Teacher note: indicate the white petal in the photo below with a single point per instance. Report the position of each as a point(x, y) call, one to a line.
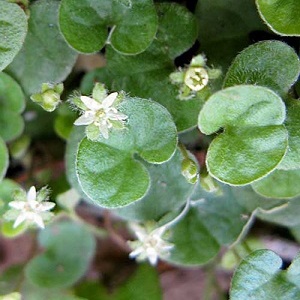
point(116, 116)
point(38, 220)
point(90, 103)
point(109, 100)
point(44, 206)
point(84, 120)
point(136, 252)
point(152, 256)
point(31, 195)
point(17, 204)
point(20, 219)
point(104, 130)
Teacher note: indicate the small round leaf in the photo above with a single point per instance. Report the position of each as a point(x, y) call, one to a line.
point(253, 142)
point(85, 24)
point(69, 248)
point(282, 184)
point(272, 64)
point(107, 171)
point(259, 277)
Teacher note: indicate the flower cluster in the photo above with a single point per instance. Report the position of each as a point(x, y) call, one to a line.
point(30, 207)
point(100, 114)
point(149, 245)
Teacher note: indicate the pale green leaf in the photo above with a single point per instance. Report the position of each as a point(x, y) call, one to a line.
point(292, 124)
point(45, 56)
point(272, 64)
point(283, 184)
point(12, 103)
point(215, 219)
point(13, 29)
point(285, 215)
point(259, 277)
point(69, 248)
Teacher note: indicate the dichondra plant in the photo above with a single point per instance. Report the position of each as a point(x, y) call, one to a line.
point(185, 133)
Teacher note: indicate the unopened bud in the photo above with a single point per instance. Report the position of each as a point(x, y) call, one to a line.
point(49, 98)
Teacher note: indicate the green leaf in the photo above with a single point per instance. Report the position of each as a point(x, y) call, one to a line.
point(107, 171)
point(215, 219)
point(283, 184)
point(32, 292)
point(283, 17)
point(253, 142)
point(45, 56)
point(85, 24)
point(224, 28)
point(69, 248)
point(272, 64)
point(285, 215)
point(10, 278)
point(259, 277)
point(7, 188)
point(144, 281)
point(253, 202)
point(3, 159)
point(64, 120)
point(76, 135)
point(147, 75)
point(13, 29)
point(12, 104)
point(292, 124)
point(167, 193)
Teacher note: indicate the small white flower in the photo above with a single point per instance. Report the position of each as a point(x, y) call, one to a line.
point(196, 78)
point(149, 245)
point(32, 209)
point(101, 114)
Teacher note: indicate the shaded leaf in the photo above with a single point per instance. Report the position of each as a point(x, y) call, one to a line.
point(13, 29)
point(45, 56)
point(69, 248)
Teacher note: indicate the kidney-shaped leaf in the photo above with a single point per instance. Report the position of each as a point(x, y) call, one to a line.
point(272, 64)
point(107, 170)
point(259, 277)
point(283, 17)
point(85, 24)
point(69, 248)
point(215, 219)
point(12, 103)
point(254, 140)
point(13, 29)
